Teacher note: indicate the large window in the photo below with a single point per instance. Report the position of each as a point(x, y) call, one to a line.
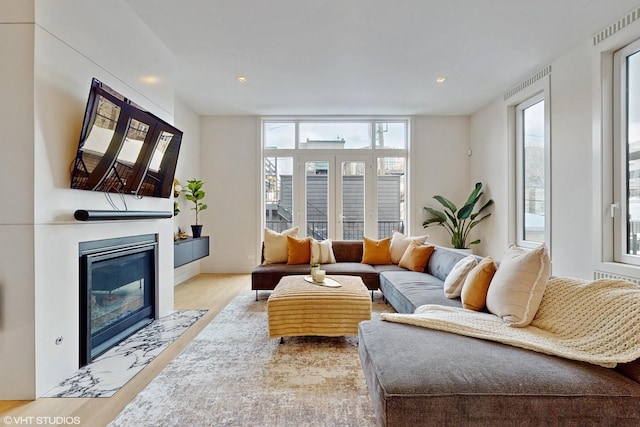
point(335, 178)
point(532, 172)
point(627, 154)
point(278, 193)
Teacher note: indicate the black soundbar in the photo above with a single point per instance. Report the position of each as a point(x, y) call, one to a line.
point(88, 215)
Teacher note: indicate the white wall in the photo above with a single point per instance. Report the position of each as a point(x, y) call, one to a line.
point(576, 186)
point(439, 166)
point(230, 169)
point(571, 183)
point(489, 164)
point(110, 35)
point(188, 167)
point(17, 309)
point(47, 84)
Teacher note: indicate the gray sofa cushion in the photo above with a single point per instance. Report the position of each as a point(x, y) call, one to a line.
point(442, 261)
point(388, 267)
point(418, 376)
point(408, 290)
point(367, 273)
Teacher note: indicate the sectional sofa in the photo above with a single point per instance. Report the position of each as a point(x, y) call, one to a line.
point(418, 376)
point(348, 255)
point(424, 377)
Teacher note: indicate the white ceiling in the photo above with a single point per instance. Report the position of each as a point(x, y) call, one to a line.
point(354, 57)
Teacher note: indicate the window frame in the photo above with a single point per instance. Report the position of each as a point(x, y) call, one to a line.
point(371, 155)
point(542, 94)
point(618, 209)
point(520, 169)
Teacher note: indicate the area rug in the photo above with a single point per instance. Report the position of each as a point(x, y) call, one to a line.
point(110, 371)
point(232, 374)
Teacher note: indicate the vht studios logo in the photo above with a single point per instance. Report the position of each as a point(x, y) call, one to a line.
point(9, 420)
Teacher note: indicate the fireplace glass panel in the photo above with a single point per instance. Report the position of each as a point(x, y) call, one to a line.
point(117, 290)
point(117, 294)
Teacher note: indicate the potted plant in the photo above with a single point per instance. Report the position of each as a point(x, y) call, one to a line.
point(459, 223)
point(195, 194)
point(314, 267)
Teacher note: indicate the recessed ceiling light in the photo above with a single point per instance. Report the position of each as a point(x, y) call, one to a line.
point(440, 80)
point(242, 79)
point(150, 79)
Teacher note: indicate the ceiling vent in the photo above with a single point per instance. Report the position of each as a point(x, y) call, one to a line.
point(531, 80)
point(617, 26)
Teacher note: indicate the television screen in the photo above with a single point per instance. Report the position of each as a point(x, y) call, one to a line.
point(123, 148)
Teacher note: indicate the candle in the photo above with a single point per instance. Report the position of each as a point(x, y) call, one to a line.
point(320, 274)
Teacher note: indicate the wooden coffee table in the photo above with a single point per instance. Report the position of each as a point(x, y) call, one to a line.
point(299, 308)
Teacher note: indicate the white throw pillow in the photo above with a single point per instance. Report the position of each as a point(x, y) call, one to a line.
point(455, 279)
point(275, 245)
point(518, 286)
point(400, 243)
point(322, 252)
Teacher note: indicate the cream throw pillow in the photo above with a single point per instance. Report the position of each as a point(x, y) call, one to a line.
point(322, 252)
point(455, 279)
point(518, 286)
point(476, 285)
point(275, 245)
point(400, 243)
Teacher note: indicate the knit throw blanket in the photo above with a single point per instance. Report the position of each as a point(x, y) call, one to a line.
point(591, 321)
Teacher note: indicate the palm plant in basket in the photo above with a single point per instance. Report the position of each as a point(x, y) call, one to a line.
point(459, 223)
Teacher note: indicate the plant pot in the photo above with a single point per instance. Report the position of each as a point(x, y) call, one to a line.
point(196, 230)
point(466, 251)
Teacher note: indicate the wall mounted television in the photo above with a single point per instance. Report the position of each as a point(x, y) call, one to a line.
point(124, 148)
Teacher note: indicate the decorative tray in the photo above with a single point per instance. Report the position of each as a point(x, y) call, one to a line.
point(328, 282)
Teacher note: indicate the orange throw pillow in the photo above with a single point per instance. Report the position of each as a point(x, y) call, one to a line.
point(476, 285)
point(400, 243)
point(298, 250)
point(416, 256)
point(376, 252)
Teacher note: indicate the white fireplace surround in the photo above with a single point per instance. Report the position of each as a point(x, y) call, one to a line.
point(57, 301)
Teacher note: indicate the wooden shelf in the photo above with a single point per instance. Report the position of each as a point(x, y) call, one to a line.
point(190, 249)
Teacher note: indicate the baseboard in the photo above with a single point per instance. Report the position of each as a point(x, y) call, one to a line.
point(186, 272)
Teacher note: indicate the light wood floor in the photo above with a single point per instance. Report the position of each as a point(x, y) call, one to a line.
point(206, 291)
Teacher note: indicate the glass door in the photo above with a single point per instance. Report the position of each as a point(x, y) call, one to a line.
point(335, 197)
point(317, 197)
point(351, 192)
